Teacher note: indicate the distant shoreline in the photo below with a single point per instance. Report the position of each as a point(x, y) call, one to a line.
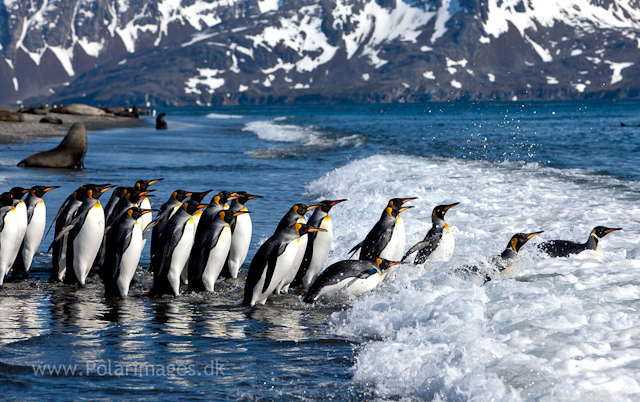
point(31, 128)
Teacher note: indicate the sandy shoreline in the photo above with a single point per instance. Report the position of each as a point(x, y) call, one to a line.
point(31, 128)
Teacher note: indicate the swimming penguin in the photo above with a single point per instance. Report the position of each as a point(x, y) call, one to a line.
point(438, 244)
point(295, 214)
point(8, 233)
point(241, 229)
point(350, 277)
point(504, 264)
point(65, 215)
point(564, 248)
point(387, 238)
point(16, 194)
point(318, 244)
point(210, 250)
point(166, 212)
point(85, 235)
point(271, 263)
point(174, 247)
point(123, 249)
point(36, 222)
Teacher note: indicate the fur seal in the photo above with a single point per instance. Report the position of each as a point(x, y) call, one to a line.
point(79, 109)
point(41, 110)
point(160, 123)
point(50, 120)
point(10, 116)
point(69, 154)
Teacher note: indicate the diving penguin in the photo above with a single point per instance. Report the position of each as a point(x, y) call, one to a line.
point(439, 243)
point(564, 248)
point(8, 233)
point(387, 238)
point(36, 222)
point(123, 249)
point(350, 277)
point(173, 249)
point(318, 244)
point(241, 229)
point(86, 231)
point(271, 262)
point(210, 250)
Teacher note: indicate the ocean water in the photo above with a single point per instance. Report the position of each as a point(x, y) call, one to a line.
point(560, 329)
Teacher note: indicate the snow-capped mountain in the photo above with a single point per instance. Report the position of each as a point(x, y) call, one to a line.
point(178, 52)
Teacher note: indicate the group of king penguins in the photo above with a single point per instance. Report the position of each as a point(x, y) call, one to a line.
point(196, 243)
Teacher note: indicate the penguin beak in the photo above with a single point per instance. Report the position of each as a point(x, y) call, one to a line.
point(332, 203)
point(448, 207)
point(405, 208)
point(394, 263)
point(50, 188)
point(147, 211)
point(312, 207)
point(105, 189)
point(154, 181)
point(188, 194)
point(25, 191)
point(534, 234)
point(241, 213)
point(316, 230)
point(232, 197)
point(409, 199)
point(143, 193)
point(251, 197)
point(612, 230)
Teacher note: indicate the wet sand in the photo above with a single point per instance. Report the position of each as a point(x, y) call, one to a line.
point(31, 128)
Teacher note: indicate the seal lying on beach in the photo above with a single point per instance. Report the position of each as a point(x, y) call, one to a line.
point(80, 109)
point(50, 120)
point(69, 154)
point(41, 110)
point(10, 116)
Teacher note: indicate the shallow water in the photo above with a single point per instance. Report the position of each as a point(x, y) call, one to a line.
point(561, 329)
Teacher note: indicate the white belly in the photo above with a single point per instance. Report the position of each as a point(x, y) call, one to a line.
point(395, 249)
point(350, 286)
point(33, 235)
point(283, 287)
point(321, 246)
point(185, 271)
point(129, 260)
point(145, 219)
point(7, 242)
point(444, 251)
point(282, 266)
point(240, 243)
point(217, 257)
point(180, 256)
point(21, 210)
point(87, 242)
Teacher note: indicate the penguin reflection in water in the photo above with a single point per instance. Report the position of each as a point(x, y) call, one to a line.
point(350, 277)
point(272, 262)
point(504, 264)
point(564, 248)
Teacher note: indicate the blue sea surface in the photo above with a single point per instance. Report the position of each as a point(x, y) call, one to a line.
point(208, 347)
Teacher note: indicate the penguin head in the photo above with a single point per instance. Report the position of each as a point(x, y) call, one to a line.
point(118, 192)
point(399, 202)
point(6, 200)
point(39, 191)
point(180, 195)
point(79, 194)
point(385, 264)
point(394, 210)
point(601, 231)
point(243, 197)
point(520, 239)
point(134, 195)
point(227, 216)
point(326, 205)
point(18, 192)
point(94, 191)
point(303, 229)
point(144, 184)
point(223, 197)
point(199, 196)
point(438, 212)
point(191, 206)
point(302, 209)
point(135, 213)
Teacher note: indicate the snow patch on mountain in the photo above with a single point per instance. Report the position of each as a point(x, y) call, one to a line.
point(205, 77)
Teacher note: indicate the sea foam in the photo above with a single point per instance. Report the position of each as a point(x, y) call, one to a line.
point(562, 329)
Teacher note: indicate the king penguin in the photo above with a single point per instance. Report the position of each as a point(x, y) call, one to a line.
point(564, 248)
point(123, 250)
point(210, 251)
point(241, 229)
point(295, 214)
point(8, 233)
point(350, 277)
point(271, 262)
point(439, 243)
point(16, 194)
point(167, 210)
point(86, 231)
point(36, 223)
point(387, 238)
point(174, 247)
point(144, 203)
point(318, 244)
point(198, 197)
point(65, 215)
